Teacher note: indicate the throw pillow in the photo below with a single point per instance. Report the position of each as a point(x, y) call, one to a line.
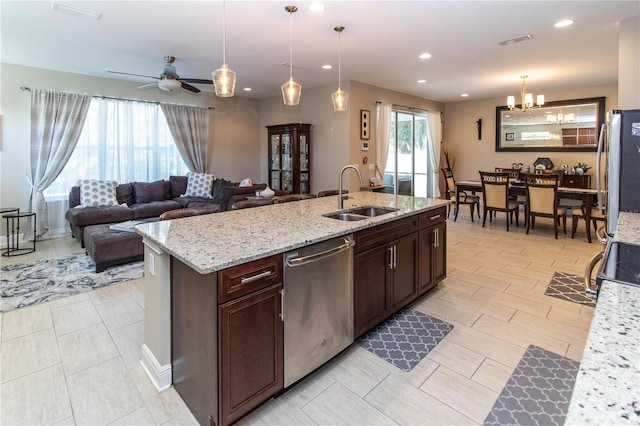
point(96, 193)
point(178, 185)
point(218, 186)
point(246, 182)
point(146, 192)
point(199, 185)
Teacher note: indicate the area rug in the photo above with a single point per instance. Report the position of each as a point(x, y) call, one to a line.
point(569, 287)
point(26, 284)
point(538, 392)
point(405, 338)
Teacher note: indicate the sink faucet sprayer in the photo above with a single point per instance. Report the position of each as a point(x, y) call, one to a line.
point(348, 166)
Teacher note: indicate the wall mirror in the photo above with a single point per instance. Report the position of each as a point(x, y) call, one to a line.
point(571, 125)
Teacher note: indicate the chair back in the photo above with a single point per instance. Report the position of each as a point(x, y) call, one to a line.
point(244, 204)
point(449, 181)
point(495, 189)
point(514, 174)
point(542, 192)
point(330, 192)
point(295, 197)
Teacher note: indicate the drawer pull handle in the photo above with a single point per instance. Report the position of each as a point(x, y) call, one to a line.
point(435, 217)
point(246, 280)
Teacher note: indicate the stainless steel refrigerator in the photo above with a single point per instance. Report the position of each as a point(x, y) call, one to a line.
point(618, 191)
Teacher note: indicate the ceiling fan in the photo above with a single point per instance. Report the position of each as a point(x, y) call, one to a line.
point(169, 80)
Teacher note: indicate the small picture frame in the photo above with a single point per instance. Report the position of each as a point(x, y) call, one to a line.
point(364, 124)
point(510, 137)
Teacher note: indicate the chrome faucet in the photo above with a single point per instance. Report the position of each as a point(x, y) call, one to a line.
point(348, 166)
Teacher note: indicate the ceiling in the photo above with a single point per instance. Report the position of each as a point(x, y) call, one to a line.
point(380, 45)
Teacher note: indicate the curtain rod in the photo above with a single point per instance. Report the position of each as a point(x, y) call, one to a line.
point(406, 107)
point(28, 89)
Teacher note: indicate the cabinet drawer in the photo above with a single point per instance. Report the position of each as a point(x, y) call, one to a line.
point(383, 234)
point(432, 217)
point(243, 279)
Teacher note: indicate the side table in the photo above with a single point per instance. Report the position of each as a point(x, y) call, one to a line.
point(13, 239)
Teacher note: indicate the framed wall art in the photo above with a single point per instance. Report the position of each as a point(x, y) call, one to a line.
point(364, 124)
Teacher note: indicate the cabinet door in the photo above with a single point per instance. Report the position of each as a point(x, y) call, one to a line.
point(370, 275)
point(440, 255)
point(426, 250)
point(404, 286)
point(250, 352)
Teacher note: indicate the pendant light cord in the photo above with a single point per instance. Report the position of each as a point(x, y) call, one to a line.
point(291, 43)
point(224, 32)
point(339, 60)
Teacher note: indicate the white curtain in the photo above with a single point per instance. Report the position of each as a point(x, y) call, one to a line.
point(434, 142)
point(56, 123)
point(383, 127)
point(190, 129)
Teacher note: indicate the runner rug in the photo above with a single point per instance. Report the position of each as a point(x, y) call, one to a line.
point(538, 392)
point(569, 287)
point(26, 284)
point(405, 338)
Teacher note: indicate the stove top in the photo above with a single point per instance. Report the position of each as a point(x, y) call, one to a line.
point(621, 263)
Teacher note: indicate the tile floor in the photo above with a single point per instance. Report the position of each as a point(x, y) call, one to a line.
point(76, 360)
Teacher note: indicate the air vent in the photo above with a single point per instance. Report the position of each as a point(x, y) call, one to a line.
point(515, 40)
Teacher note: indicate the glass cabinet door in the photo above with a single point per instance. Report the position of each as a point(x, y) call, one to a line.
point(304, 154)
point(290, 157)
point(276, 164)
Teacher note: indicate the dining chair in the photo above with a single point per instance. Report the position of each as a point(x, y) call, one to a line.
point(542, 200)
point(244, 204)
point(495, 197)
point(472, 200)
point(514, 174)
point(330, 192)
point(579, 213)
point(294, 197)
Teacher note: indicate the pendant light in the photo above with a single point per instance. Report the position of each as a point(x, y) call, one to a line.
point(224, 79)
point(526, 98)
point(291, 90)
point(340, 98)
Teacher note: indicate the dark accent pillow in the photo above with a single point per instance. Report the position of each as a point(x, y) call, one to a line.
point(124, 193)
point(178, 185)
point(145, 192)
point(216, 192)
point(74, 196)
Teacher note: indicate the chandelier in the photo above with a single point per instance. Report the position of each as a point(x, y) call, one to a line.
point(290, 89)
point(560, 118)
point(526, 98)
point(224, 79)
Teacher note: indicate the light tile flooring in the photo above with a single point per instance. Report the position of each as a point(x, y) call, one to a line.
point(76, 360)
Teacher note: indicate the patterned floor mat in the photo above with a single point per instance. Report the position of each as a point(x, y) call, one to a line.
point(405, 338)
point(569, 287)
point(25, 284)
point(538, 392)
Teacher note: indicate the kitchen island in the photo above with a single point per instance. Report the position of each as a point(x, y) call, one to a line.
point(207, 276)
point(607, 389)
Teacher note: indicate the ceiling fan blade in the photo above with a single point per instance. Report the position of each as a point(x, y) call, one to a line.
point(196, 80)
point(148, 85)
point(190, 87)
point(138, 75)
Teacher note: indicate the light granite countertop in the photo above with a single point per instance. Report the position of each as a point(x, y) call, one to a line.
point(212, 242)
point(607, 389)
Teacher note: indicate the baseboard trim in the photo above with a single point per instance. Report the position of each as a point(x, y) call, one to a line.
point(160, 375)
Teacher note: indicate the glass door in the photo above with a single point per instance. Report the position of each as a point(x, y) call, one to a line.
point(276, 164)
point(304, 165)
point(287, 162)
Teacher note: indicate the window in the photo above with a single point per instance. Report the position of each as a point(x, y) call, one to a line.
point(408, 166)
point(124, 141)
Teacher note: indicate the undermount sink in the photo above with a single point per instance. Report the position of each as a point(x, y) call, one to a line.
point(360, 213)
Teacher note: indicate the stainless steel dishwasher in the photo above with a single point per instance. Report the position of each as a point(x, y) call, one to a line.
point(317, 305)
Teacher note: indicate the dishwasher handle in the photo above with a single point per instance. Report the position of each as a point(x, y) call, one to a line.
point(294, 261)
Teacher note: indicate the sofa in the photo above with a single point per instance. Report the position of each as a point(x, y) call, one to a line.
point(149, 200)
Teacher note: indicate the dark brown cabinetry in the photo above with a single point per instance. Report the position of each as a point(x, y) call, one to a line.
point(576, 181)
point(579, 136)
point(432, 249)
point(289, 157)
point(227, 338)
point(385, 271)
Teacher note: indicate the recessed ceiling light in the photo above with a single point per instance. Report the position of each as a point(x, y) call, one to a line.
point(564, 23)
point(425, 55)
point(316, 7)
point(327, 67)
point(247, 89)
point(75, 11)
point(464, 95)
point(421, 81)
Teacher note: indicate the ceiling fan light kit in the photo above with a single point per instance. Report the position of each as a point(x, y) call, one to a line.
point(526, 98)
point(340, 98)
point(290, 89)
point(169, 85)
point(224, 79)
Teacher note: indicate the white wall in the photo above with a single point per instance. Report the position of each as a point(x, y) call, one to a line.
point(234, 124)
point(472, 155)
point(629, 64)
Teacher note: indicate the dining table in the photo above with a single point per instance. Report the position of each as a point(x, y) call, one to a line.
point(586, 195)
